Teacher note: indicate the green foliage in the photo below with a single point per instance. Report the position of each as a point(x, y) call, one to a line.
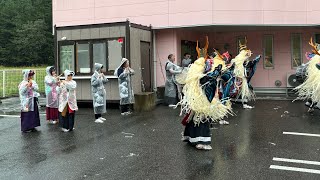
point(26, 32)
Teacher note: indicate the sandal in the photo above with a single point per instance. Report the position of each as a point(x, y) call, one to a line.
point(200, 146)
point(223, 122)
point(207, 147)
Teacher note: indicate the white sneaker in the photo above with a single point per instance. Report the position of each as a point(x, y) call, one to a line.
point(64, 130)
point(203, 147)
point(172, 105)
point(223, 122)
point(124, 113)
point(54, 122)
point(101, 118)
point(98, 121)
point(129, 112)
point(200, 146)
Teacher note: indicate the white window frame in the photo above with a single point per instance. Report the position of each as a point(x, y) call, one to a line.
point(291, 39)
point(264, 51)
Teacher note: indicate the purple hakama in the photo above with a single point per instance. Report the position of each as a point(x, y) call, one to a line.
point(31, 119)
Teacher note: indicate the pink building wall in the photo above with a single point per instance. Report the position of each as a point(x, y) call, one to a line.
point(172, 13)
point(188, 13)
point(168, 41)
point(282, 53)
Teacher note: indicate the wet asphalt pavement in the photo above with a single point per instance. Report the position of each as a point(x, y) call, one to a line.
point(149, 146)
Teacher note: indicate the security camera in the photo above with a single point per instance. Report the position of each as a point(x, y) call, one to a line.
point(64, 38)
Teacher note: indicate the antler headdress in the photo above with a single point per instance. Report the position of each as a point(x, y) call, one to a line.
point(218, 53)
point(314, 47)
point(203, 52)
point(243, 46)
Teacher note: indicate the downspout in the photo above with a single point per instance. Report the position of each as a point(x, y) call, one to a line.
point(127, 40)
point(55, 44)
point(154, 61)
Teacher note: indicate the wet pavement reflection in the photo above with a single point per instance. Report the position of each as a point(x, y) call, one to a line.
point(148, 146)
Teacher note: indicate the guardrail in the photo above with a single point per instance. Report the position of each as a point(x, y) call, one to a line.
point(10, 80)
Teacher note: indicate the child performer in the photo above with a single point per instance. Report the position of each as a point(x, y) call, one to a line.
point(51, 82)
point(98, 79)
point(29, 102)
point(67, 101)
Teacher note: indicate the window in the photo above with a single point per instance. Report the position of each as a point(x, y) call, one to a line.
point(100, 54)
point(83, 58)
point(317, 38)
point(189, 47)
point(268, 51)
point(115, 54)
point(242, 40)
point(296, 55)
point(66, 58)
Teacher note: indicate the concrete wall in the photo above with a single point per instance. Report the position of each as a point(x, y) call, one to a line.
point(89, 33)
point(172, 13)
point(137, 35)
point(92, 33)
point(84, 87)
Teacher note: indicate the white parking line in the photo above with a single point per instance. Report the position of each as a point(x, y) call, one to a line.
point(296, 161)
point(15, 116)
point(301, 134)
point(287, 168)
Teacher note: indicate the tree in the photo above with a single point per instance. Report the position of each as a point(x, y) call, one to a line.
point(30, 41)
point(26, 32)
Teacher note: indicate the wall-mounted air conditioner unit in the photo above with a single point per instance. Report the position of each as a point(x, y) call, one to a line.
point(292, 80)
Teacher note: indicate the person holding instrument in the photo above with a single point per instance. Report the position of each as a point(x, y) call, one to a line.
point(170, 93)
point(98, 79)
point(124, 73)
point(28, 95)
point(67, 101)
point(51, 82)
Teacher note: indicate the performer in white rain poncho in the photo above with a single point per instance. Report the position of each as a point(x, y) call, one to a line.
point(29, 102)
point(51, 82)
point(98, 79)
point(67, 101)
point(124, 73)
point(170, 93)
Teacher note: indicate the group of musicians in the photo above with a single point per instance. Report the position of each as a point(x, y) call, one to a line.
point(61, 101)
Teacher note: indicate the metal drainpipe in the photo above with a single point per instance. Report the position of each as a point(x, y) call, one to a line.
point(154, 61)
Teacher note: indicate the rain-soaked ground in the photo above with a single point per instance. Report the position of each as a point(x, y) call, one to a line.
point(256, 145)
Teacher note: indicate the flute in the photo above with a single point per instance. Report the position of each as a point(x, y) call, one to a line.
point(58, 77)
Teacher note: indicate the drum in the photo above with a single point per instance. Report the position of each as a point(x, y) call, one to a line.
point(181, 78)
point(301, 72)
